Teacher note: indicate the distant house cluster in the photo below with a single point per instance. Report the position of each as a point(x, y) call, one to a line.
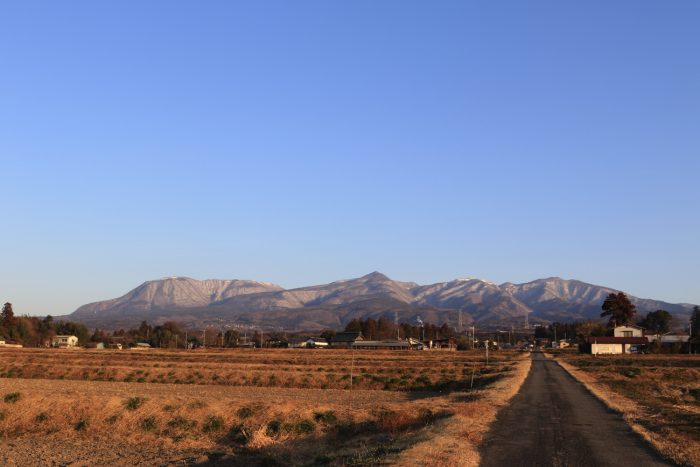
point(355, 340)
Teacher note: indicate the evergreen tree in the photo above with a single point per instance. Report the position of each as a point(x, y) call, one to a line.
point(7, 316)
point(620, 309)
point(695, 325)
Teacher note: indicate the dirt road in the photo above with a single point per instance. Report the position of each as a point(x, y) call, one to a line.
point(554, 421)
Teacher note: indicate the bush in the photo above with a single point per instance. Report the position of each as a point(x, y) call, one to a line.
point(12, 397)
point(244, 412)
point(304, 426)
point(327, 417)
point(148, 424)
point(133, 403)
point(273, 427)
point(81, 425)
point(42, 417)
point(182, 423)
point(212, 424)
point(238, 434)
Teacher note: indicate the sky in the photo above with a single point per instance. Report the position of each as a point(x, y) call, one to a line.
point(310, 141)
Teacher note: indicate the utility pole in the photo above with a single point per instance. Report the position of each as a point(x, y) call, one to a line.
point(187, 345)
point(204, 338)
point(473, 337)
point(396, 323)
point(352, 365)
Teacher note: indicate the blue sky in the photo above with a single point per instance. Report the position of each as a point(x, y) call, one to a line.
point(304, 142)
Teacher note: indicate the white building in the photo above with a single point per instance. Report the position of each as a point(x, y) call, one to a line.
point(64, 342)
point(628, 330)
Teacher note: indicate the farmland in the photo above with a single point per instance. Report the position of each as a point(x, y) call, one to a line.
point(302, 407)
point(659, 396)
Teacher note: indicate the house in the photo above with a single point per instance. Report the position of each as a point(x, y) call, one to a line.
point(95, 345)
point(615, 345)
point(276, 343)
point(441, 344)
point(141, 346)
point(115, 345)
point(562, 344)
point(316, 343)
point(628, 330)
point(64, 342)
point(6, 343)
point(345, 340)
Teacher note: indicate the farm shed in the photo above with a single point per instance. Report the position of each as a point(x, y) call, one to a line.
point(345, 340)
point(615, 345)
point(411, 344)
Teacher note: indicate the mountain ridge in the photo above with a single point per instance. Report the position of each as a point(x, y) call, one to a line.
point(264, 304)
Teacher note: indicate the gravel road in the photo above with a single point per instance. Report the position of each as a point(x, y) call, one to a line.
point(555, 421)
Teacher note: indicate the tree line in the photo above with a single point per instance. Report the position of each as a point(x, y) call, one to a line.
point(386, 329)
point(32, 331)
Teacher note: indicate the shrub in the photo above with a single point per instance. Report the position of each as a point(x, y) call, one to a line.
point(630, 372)
point(81, 425)
point(12, 397)
point(327, 417)
point(212, 424)
point(133, 403)
point(42, 417)
point(148, 424)
point(182, 423)
point(304, 426)
point(238, 434)
point(273, 428)
point(3, 414)
point(244, 412)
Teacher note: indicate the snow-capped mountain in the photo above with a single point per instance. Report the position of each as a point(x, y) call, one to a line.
point(332, 305)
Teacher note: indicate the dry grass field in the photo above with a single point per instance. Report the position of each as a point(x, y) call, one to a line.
point(252, 407)
point(659, 395)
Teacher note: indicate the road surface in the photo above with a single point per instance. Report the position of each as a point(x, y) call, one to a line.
point(555, 421)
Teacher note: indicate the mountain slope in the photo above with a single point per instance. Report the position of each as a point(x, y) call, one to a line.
point(174, 292)
point(332, 305)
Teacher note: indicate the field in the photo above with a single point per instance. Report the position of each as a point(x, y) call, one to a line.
point(249, 407)
point(659, 395)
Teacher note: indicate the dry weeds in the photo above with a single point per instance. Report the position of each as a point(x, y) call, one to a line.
point(284, 424)
point(458, 437)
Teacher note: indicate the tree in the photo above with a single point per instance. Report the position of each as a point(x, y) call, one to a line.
point(620, 309)
point(695, 325)
point(353, 326)
point(7, 317)
point(231, 338)
point(657, 322)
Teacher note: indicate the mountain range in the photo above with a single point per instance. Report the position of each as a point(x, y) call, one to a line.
point(482, 303)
